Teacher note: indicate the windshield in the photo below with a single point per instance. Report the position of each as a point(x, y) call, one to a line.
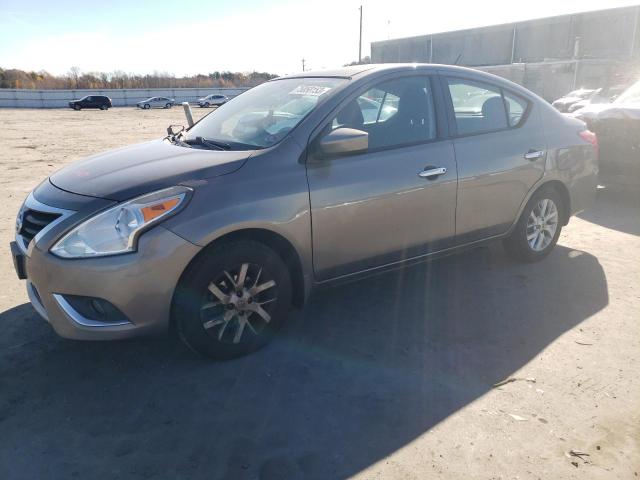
point(263, 116)
point(631, 95)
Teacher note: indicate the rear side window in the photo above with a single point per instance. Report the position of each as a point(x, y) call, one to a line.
point(516, 108)
point(394, 113)
point(477, 107)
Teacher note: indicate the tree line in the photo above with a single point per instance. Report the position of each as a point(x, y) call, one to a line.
point(76, 79)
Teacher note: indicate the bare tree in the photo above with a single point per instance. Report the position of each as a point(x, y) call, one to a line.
point(74, 75)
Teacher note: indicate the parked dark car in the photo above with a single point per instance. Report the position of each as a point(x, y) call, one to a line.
point(564, 103)
point(617, 126)
point(91, 101)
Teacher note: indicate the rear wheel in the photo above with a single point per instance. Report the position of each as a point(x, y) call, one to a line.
point(538, 228)
point(232, 300)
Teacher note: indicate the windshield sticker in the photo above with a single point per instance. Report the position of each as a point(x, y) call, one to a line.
point(309, 90)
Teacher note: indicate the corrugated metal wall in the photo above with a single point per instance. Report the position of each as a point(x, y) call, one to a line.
point(611, 34)
point(22, 98)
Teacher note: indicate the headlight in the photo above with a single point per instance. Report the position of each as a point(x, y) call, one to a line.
point(116, 230)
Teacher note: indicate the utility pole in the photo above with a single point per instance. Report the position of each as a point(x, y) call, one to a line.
point(360, 42)
point(303, 64)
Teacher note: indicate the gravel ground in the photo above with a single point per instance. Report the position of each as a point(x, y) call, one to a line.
point(388, 378)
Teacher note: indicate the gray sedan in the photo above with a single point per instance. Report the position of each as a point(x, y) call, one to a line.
point(216, 231)
point(156, 102)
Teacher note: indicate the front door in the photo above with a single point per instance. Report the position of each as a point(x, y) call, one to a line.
point(380, 207)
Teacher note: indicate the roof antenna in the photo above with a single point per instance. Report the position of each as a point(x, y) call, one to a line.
point(458, 59)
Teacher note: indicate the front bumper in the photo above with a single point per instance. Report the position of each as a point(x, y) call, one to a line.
point(139, 285)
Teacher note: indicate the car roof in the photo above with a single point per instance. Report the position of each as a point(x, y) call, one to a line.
point(360, 71)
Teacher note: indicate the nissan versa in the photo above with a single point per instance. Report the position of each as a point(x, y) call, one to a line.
point(217, 230)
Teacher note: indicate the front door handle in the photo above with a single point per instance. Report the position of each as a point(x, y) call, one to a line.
point(432, 172)
point(534, 154)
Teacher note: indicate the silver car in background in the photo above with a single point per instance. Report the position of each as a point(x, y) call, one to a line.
point(213, 100)
point(216, 231)
point(156, 102)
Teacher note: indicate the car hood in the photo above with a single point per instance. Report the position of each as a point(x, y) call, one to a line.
point(130, 171)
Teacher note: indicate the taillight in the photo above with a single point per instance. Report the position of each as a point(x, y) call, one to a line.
point(592, 138)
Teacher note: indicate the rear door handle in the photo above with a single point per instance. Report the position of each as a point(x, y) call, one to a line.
point(432, 172)
point(534, 154)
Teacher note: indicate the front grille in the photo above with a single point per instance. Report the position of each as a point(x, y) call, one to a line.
point(34, 221)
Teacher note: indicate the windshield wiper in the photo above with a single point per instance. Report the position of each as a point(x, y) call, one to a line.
point(174, 137)
point(207, 142)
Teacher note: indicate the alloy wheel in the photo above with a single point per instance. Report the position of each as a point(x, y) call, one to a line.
point(239, 304)
point(542, 225)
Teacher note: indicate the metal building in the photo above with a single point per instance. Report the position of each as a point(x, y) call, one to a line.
point(549, 56)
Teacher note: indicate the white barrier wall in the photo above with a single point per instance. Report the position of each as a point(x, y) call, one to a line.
point(23, 98)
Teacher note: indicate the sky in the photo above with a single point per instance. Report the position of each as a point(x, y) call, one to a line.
point(197, 36)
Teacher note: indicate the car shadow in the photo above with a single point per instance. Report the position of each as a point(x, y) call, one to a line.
point(616, 208)
point(365, 369)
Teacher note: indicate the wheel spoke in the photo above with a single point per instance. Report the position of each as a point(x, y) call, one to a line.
point(214, 322)
point(267, 301)
point(242, 322)
point(230, 278)
point(532, 235)
point(543, 209)
point(254, 307)
point(209, 305)
point(261, 288)
point(242, 276)
point(539, 240)
point(228, 315)
point(218, 293)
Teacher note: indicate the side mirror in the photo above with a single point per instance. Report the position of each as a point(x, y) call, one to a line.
point(344, 141)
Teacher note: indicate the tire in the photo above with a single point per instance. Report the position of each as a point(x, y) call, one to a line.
point(207, 312)
point(206, 105)
point(77, 107)
point(531, 239)
point(168, 105)
point(103, 107)
point(147, 106)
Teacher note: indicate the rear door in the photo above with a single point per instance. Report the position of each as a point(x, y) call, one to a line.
point(500, 152)
point(374, 208)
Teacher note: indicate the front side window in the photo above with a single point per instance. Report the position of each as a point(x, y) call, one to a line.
point(477, 107)
point(396, 112)
point(264, 115)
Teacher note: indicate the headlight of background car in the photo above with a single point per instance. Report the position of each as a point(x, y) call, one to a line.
point(116, 230)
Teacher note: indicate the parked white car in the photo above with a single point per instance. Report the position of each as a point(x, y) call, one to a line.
point(212, 100)
point(156, 102)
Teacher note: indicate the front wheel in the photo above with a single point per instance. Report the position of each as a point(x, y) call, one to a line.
point(103, 107)
point(206, 105)
point(147, 106)
point(168, 105)
point(232, 300)
point(538, 228)
point(77, 107)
